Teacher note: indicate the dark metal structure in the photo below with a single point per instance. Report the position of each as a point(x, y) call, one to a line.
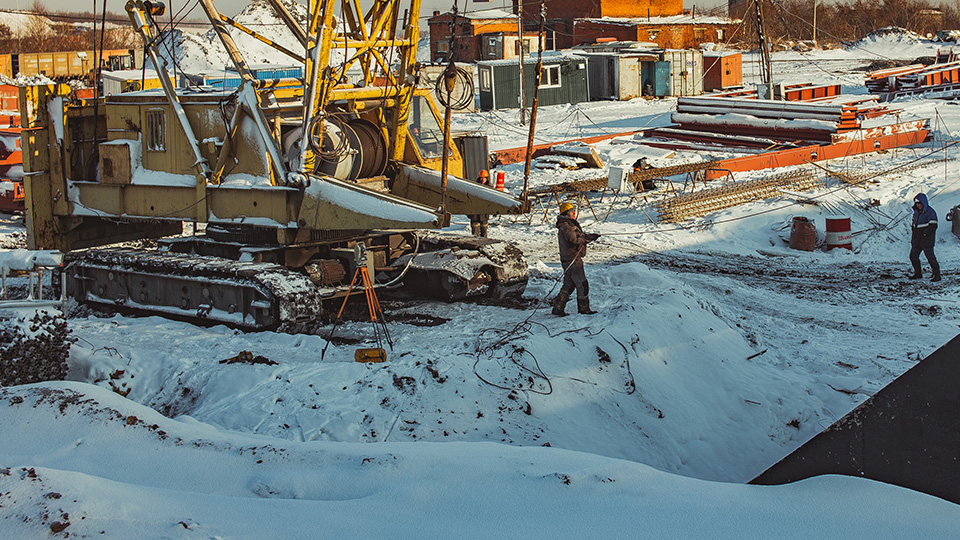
point(907, 434)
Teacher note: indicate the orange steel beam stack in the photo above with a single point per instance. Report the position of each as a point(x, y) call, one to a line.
point(844, 145)
point(810, 92)
point(915, 79)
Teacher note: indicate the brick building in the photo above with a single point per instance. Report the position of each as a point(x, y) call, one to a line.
point(569, 23)
point(563, 14)
point(676, 32)
point(588, 9)
point(467, 30)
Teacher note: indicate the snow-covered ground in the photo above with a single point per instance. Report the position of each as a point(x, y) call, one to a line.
point(716, 351)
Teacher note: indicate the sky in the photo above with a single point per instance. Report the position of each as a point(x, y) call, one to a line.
point(231, 7)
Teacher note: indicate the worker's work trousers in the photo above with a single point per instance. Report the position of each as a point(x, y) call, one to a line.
point(931, 258)
point(575, 278)
point(478, 225)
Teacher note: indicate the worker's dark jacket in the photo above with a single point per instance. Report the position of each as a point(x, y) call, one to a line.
point(480, 218)
point(573, 243)
point(924, 224)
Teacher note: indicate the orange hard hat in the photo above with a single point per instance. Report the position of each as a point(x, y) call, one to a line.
point(484, 174)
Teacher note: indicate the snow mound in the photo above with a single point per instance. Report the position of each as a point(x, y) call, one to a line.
point(204, 52)
point(23, 80)
point(893, 42)
point(895, 31)
point(23, 23)
point(105, 467)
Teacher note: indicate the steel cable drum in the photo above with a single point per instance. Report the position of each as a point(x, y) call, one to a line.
point(334, 157)
point(350, 150)
point(372, 148)
point(337, 153)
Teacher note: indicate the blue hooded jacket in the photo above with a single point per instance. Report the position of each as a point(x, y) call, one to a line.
point(924, 224)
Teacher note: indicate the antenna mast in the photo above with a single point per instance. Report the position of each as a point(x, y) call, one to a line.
point(523, 96)
point(766, 71)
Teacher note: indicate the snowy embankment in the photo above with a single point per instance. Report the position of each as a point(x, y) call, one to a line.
point(81, 460)
point(717, 351)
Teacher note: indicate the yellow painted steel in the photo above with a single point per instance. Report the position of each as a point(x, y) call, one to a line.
point(373, 36)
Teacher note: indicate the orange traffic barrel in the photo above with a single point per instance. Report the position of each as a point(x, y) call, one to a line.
point(838, 233)
point(500, 178)
point(803, 234)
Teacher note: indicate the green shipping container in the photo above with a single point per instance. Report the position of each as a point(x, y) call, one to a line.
point(564, 80)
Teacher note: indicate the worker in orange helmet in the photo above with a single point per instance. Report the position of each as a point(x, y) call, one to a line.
point(573, 246)
point(478, 222)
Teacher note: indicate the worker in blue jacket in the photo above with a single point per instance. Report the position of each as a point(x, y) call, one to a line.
point(924, 228)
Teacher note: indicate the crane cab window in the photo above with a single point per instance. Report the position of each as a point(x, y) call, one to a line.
point(156, 132)
point(424, 129)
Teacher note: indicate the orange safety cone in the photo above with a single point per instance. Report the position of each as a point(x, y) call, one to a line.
point(500, 178)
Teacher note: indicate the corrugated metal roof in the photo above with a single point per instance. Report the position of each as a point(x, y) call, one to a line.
point(548, 56)
point(485, 14)
point(675, 19)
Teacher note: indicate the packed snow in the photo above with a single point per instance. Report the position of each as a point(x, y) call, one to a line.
point(716, 351)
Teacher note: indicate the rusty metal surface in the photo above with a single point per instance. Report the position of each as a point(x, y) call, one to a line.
point(636, 178)
point(705, 201)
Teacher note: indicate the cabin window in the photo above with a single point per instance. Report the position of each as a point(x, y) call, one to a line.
point(443, 46)
point(156, 137)
point(526, 47)
point(550, 76)
point(550, 40)
point(485, 79)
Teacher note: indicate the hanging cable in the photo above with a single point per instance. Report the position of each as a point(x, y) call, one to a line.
point(462, 95)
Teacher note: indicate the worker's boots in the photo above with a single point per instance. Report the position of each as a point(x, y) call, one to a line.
point(583, 306)
point(560, 304)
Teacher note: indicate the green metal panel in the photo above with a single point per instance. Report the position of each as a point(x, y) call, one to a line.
point(506, 86)
point(505, 83)
point(661, 78)
point(573, 83)
point(656, 78)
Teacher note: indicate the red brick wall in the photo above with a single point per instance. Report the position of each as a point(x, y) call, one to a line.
point(640, 8)
point(563, 29)
point(467, 44)
point(590, 31)
point(676, 36)
point(568, 9)
point(583, 9)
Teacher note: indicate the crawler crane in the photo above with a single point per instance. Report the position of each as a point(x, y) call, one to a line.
point(286, 177)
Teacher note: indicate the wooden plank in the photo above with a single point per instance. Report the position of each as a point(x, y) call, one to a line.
point(586, 153)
